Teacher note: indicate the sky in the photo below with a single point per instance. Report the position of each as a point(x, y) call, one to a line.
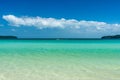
point(59, 18)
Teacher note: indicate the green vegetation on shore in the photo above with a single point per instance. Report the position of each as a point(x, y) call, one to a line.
point(8, 37)
point(111, 37)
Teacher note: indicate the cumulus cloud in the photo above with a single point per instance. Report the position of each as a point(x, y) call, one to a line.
point(42, 23)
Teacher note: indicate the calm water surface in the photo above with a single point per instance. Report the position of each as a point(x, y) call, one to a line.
point(59, 59)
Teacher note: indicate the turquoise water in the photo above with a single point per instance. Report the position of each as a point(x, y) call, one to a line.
point(59, 59)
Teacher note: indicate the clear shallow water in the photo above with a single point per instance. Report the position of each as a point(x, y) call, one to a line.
point(59, 59)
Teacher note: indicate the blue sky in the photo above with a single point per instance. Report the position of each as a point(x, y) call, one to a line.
point(59, 18)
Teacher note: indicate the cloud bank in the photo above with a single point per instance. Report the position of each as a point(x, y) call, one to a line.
point(42, 23)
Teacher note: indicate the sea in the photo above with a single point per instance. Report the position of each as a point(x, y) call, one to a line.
point(59, 59)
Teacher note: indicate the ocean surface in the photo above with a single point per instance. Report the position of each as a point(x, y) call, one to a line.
point(59, 59)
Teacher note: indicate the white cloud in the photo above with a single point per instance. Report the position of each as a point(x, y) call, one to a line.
point(41, 23)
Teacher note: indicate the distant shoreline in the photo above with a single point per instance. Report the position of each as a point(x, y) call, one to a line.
point(102, 38)
point(8, 37)
point(50, 38)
